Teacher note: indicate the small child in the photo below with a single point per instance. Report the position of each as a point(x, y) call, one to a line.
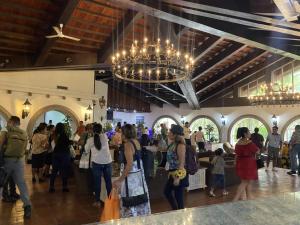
point(218, 172)
point(285, 160)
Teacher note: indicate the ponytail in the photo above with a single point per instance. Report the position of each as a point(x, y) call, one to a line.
point(97, 129)
point(97, 141)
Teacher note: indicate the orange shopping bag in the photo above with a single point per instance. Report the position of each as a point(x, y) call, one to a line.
point(111, 209)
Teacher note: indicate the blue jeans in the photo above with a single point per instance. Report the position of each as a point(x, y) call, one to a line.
point(294, 154)
point(61, 164)
point(15, 168)
point(98, 171)
point(218, 181)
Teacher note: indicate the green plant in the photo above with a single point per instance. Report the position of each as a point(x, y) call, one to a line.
point(209, 129)
point(67, 123)
point(107, 127)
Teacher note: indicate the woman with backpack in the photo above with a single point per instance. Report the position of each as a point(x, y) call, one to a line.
point(178, 177)
point(101, 160)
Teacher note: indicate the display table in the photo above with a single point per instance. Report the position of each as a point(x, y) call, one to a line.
point(197, 180)
point(282, 209)
point(213, 146)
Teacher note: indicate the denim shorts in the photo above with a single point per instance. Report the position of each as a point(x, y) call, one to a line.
point(219, 180)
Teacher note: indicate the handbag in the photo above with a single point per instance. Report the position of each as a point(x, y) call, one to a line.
point(84, 161)
point(129, 201)
point(259, 162)
point(111, 209)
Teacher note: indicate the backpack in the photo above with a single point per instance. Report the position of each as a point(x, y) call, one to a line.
point(191, 164)
point(16, 142)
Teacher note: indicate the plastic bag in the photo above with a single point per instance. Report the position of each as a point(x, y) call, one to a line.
point(111, 209)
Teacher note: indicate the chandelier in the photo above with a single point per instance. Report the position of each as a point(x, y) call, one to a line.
point(152, 63)
point(275, 94)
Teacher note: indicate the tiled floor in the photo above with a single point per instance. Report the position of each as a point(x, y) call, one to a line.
point(76, 207)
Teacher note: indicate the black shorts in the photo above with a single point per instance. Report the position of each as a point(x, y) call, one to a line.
point(48, 160)
point(38, 160)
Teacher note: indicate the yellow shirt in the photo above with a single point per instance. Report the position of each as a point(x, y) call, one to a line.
point(285, 151)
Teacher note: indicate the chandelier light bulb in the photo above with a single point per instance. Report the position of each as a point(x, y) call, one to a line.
point(123, 52)
point(178, 53)
point(158, 40)
point(140, 71)
point(119, 66)
point(167, 41)
point(145, 39)
point(118, 55)
point(186, 56)
point(149, 72)
point(157, 71)
point(157, 50)
point(135, 42)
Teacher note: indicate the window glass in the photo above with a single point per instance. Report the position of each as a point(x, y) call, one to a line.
point(166, 120)
point(290, 129)
point(297, 76)
point(277, 76)
point(287, 76)
point(251, 123)
point(244, 91)
point(209, 129)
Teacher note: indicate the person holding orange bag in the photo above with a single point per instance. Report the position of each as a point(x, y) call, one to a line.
point(111, 209)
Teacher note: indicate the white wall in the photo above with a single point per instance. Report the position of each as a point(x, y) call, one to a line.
point(283, 113)
point(40, 83)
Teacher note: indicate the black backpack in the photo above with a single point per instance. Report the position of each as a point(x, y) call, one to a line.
point(191, 164)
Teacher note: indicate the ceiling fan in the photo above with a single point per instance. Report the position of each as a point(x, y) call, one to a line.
point(59, 34)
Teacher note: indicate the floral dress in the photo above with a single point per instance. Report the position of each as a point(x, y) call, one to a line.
point(136, 181)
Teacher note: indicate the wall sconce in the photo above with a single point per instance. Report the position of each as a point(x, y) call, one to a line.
point(26, 109)
point(87, 115)
point(182, 119)
point(223, 120)
point(274, 120)
point(102, 102)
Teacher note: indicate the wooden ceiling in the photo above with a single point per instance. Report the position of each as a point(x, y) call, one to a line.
point(230, 41)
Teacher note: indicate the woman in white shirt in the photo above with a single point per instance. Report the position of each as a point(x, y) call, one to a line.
point(101, 160)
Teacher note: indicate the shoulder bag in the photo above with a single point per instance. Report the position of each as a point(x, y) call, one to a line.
point(130, 201)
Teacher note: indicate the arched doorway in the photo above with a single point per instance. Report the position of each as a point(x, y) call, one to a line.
point(251, 122)
point(209, 128)
point(4, 116)
point(167, 120)
point(289, 128)
point(54, 113)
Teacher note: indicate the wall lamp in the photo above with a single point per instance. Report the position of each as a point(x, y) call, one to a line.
point(87, 115)
point(26, 109)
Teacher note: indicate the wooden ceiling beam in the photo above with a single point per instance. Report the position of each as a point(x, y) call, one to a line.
point(98, 14)
point(206, 47)
point(210, 26)
point(16, 50)
point(217, 61)
point(106, 5)
point(156, 96)
point(208, 63)
point(172, 90)
point(232, 69)
point(86, 31)
point(64, 18)
point(118, 33)
point(270, 64)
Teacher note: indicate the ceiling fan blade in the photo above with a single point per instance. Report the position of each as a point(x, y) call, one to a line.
point(51, 36)
point(57, 30)
point(72, 38)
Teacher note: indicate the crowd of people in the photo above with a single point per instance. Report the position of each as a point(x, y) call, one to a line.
point(51, 147)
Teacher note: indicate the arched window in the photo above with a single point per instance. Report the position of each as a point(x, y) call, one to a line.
point(168, 121)
point(251, 123)
point(291, 128)
point(209, 128)
point(2, 121)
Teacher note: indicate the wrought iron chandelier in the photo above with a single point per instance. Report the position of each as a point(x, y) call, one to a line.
point(275, 94)
point(152, 63)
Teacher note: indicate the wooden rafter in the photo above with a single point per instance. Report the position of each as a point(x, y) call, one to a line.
point(232, 69)
point(64, 18)
point(218, 60)
point(120, 31)
point(272, 63)
point(208, 45)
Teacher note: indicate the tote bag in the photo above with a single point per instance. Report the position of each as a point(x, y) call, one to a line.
point(111, 209)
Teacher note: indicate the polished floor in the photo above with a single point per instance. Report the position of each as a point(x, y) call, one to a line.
point(76, 208)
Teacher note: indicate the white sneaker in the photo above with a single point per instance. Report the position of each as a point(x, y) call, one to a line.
point(225, 193)
point(211, 194)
